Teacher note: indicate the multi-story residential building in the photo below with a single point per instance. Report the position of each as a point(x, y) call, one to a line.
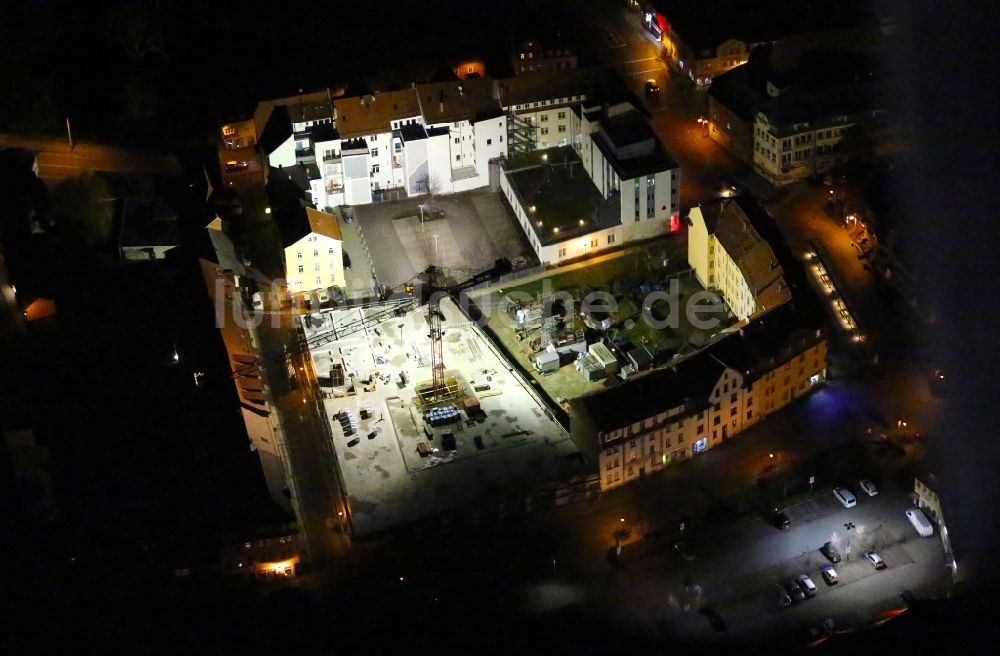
point(532, 55)
point(629, 191)
point(673, 413)
point(792, 122)
point(729, 255)
point(540, 107)
point(431, 138)
point(801, 133)
point(271, 552)
point(312, 244)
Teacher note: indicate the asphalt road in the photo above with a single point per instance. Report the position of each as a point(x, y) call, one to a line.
point(57, 161)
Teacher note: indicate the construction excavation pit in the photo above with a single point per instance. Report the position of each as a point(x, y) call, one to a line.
point(412, 442)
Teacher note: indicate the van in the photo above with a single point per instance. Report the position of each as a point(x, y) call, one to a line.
point(807, 585)
point(845, 497)
point(920, 522)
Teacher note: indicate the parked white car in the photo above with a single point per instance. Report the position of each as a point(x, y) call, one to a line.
point(868, 487)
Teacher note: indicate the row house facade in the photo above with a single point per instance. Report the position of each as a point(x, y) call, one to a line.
point(672, 414)
point(429, 138)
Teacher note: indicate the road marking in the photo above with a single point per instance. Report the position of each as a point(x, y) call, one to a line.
point(633, 61)
point(648, 70)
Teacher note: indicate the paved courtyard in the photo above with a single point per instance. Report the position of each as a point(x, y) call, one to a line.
point(516, 444)
point(466, 232)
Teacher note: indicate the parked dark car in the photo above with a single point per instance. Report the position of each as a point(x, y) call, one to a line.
point(830, 552)
point(347, 261)
point(778, 518)
point(794, 591)
point(714, 619)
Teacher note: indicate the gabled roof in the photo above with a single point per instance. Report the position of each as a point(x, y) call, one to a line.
point(650, 394)
point(297, 221)
point(750, 252)
point(373, 114)
point(276, 131)
point(546, 85)
point(466, 100)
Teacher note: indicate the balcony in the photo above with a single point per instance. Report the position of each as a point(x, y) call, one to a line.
point(397, 161)
point(331, 157)
point(305, 154)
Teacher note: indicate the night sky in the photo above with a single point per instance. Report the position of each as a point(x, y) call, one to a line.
point(143, 457)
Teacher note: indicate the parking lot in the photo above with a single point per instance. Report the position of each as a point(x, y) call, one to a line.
point(737, 570)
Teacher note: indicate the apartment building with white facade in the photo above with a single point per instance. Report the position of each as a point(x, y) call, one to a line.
point(430, 138)
point(615, 185)
point(673, 413)
point(730, 256)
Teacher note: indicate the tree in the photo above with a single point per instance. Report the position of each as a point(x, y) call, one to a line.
point(135, 26)
point(82, 211)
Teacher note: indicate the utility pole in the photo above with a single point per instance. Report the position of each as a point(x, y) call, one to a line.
point(69, 135)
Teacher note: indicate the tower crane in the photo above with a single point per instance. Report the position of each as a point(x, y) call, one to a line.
point(433, 291)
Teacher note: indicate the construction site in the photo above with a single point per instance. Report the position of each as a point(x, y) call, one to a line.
point(425, 415)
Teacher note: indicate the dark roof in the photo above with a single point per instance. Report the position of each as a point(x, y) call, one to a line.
point(655, 392)
point(323, 132)
point(750, 251)
point(767, 342)
point(296, 219)
point(818, 106)
point(545, 85)
point(299, 174)
point(735, 90)
point(413, 132)
point(634, 167)
point(629, 144)
point(277, 130)
point(562, 195)
point(466, 100)
point(147, 223)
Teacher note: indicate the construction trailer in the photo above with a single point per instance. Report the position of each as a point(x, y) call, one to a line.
point(590, 368)
point(603, 355)
point(547, 362)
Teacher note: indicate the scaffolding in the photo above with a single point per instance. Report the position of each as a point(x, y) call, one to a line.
point(520, 135)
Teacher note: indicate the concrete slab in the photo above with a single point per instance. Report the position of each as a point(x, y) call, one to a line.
point(387, 481)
